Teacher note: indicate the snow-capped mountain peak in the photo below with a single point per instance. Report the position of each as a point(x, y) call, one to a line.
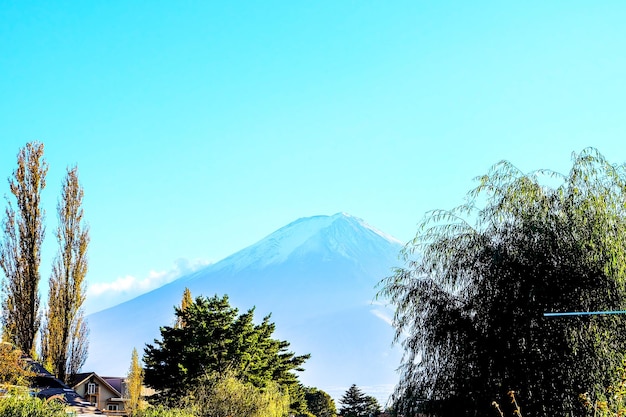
point(340, 233)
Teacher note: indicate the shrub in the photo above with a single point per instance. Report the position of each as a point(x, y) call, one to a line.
point(26, 406)
point(218, 396)
point(161, 411)
point(613, 402)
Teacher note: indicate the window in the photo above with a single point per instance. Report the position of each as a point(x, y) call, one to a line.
point(91, 388)
point(113, 407)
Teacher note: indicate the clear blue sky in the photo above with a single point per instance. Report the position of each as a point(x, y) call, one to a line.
point(200, 127)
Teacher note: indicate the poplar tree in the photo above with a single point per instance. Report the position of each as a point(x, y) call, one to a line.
point(186, 301)
point(134, 382)
point(23, 233)
point(64, 346)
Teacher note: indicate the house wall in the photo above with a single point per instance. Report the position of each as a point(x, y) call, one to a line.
point(103, 393)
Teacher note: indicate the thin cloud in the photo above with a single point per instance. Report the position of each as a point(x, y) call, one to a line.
point(383, 315)
point(101, 295)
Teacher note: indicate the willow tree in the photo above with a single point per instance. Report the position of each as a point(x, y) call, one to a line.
point(64, 344)
point(20, 249)
point(471, 299)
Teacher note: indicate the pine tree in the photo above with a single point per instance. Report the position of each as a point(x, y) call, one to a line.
point(20, 249)
point(216, 341)
point(134, 383)
point(354, 403)
point(65, 342)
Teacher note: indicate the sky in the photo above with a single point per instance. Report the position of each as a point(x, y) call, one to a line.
point(200, 127)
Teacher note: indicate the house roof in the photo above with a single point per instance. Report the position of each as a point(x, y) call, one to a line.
point(43, 382)
point(70, 398)
point(83, 377)
point(49, 387)
point(80, 378)
point(37, 368)
point(114, 381)
point(42, 378)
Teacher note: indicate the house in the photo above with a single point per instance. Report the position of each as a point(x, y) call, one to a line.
point(45, 386)
point(99, 392)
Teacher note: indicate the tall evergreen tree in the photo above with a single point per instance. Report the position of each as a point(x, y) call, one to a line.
point(65, 338)
point(217, 340)
point(20, 249)
point(354, 403)
point(470, 302)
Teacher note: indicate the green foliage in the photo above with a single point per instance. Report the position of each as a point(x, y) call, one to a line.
point(372, 406)
point(612, 402)
point(297, 394)
point(470, 301)
point(354, 403)
point(319, 403)
point(161, 411)
point(26, 406)
point(215, 341)
point(228, 396)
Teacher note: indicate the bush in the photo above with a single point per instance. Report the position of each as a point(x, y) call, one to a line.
point(26, 406)
point(161, 411)
point(611, 403)
point(218, 396)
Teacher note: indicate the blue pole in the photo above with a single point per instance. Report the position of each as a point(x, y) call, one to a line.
point(584, 313)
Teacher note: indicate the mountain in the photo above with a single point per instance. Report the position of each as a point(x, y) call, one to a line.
point(317, 278)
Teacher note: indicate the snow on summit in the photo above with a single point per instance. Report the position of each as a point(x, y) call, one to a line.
point(307, 234)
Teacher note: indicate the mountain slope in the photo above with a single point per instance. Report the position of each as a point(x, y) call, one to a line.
point(316, 276)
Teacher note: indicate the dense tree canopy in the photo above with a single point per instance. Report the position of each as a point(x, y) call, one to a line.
point(319, 403)
point(470, 301)
point(214, 342)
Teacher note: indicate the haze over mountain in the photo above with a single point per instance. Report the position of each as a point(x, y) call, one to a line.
point(316, 276)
